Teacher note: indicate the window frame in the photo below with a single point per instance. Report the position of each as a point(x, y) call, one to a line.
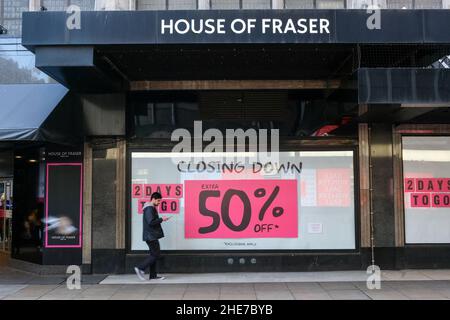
point(166, 6)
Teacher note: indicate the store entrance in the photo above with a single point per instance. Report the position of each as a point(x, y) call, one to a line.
point(6, 196)
point(6, 206)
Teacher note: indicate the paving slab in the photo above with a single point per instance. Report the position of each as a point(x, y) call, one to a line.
point(274, 295)
point(166, 296)
point(47, 280)
point(31, 292)
point(348, 295)
point(9, 289)
point(442, 275)
point(385, 295)
point(245, 288)
point(405, 275)
point(129, 296)
point(311, 295)
point(238, 296)
point(338, 286)
point(281, 277)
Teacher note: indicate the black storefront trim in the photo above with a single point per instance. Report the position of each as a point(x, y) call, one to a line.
point(144, 27)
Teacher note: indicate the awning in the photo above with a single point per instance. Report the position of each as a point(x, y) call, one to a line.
point(33, 112)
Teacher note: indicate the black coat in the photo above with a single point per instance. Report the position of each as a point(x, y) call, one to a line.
point(152, 229)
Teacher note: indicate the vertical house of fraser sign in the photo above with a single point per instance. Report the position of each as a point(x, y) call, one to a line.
point(63, 198)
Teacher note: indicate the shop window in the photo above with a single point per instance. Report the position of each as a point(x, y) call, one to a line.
point(151, 5)
point(62, 5)
point(330, 4)
point(55, 5)
point(299, 4)
point(428, 4)
point(225, 4)
point(18, 65)
point(364, 4)
point(87, 5)
point(256, 4)
point(166, 4)
point(182, 4)
point(29, 208)
point(400, 4)
point(219, 203)
point(426, 172)
point(11, 16)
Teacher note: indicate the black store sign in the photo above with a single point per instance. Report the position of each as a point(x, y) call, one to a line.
point(237, 26)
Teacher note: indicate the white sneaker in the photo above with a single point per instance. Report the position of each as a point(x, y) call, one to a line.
point(139, 273)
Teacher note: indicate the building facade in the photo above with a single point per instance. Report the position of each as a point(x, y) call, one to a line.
point(91, 99)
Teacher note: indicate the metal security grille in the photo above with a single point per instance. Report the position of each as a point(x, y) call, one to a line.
point(243, 105)
point(401, 56)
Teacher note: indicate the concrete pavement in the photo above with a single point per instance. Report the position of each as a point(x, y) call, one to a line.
point(342, 285)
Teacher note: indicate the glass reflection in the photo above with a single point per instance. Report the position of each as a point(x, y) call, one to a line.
point(29, 184)
point(18, 64)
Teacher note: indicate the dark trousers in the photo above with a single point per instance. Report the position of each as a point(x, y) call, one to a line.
point(152, 258)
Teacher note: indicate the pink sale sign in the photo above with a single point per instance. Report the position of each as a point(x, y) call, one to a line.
point(226, 209)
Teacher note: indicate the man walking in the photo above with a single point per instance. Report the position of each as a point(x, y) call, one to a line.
point(152, 232)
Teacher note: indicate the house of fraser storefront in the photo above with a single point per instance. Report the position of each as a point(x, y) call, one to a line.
point(360, 99)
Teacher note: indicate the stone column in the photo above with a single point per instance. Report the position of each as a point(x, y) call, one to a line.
point(35, 5)
point(277, 4)
point(203, 4)
point(381, 153)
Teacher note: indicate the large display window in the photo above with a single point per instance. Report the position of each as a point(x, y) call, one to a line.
point(426, 172)
point(304, 201)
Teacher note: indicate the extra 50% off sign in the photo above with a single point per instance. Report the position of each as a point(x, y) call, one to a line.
point(225, 209)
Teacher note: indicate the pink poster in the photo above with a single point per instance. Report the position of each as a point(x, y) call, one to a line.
point(410, 185)
point(440, 200)
point(166, 205)
point(427, 192)
point(141, 203)
point(166, 190)
point(432, 184)
point(137, 190)
point(169, 206)
point(412, 177)
point(227, 209)
point(420, 200)
point(334, 187)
